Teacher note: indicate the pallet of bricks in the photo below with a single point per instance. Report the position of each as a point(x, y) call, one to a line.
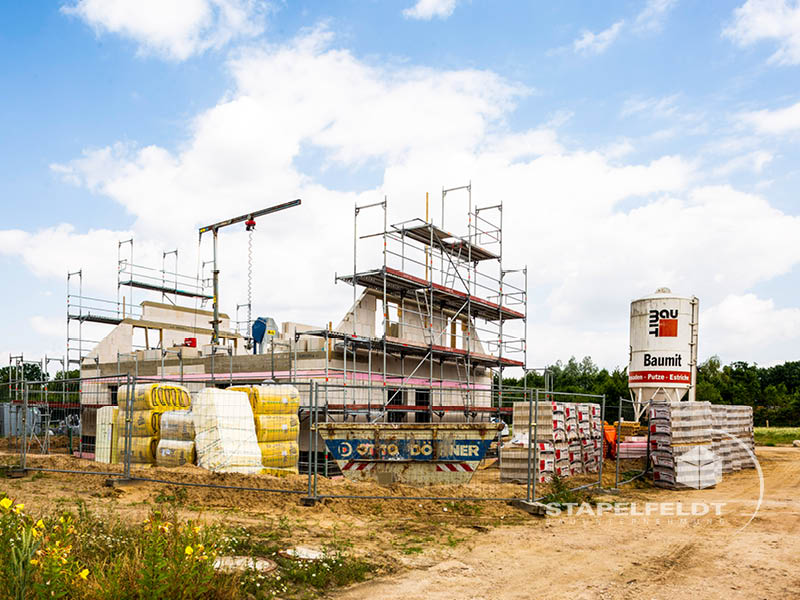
point(681, 447)
point(568, 440)
point(739, 425)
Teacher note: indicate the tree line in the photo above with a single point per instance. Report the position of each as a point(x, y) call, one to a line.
point(773, 392)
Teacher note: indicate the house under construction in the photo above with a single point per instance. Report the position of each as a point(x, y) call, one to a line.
point(427, 338)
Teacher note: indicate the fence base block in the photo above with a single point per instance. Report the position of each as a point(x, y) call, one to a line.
point(13, 472)
point(117, 482)
point(308, 501)
point(533, 508)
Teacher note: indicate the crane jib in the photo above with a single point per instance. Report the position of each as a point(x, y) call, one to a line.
point(252, 215)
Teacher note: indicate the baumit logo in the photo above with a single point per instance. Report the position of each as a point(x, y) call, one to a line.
point(664, 322)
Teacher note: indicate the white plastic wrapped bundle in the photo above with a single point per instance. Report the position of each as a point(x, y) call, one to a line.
point(225, 433)
point(177, 425)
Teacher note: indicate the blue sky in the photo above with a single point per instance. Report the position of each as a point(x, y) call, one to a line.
point(639, 144)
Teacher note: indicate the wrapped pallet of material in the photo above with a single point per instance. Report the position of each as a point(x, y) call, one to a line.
point(278, 399)
point(104, 448)
point(225, 432)
point(681, 445)
point(514, 463)
point(277, 428)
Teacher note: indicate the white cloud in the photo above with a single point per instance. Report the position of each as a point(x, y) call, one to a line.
point(752, 161)
point(176, 29)
point(597, 43)
point(768, 20)
point(744, 323)
point(651, 18)
point(48, 326)
point(774, 122)
point(594, 230)
point(658, 107)
point(428, 9)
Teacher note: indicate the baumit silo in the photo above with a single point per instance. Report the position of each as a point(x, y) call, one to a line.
point(663, 351)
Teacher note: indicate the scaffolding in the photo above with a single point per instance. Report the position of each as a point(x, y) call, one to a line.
point(435, 282)
point(130, 276)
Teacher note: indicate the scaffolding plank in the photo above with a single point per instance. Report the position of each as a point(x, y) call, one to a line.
point(166, 290)
point(400, 282)
point(90, 318)
point(460, 248)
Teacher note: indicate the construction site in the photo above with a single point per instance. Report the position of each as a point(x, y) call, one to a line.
point(397, 404)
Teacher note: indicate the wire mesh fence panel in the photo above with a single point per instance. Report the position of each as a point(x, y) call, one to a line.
point(64, 424)
point(314, 439)
point(632, 447)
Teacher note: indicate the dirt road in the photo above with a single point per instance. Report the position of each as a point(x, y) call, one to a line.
point(624, 556)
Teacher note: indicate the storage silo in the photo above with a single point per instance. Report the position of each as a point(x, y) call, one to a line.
point(663, 350)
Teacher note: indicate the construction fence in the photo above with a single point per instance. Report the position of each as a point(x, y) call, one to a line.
point(316, 440)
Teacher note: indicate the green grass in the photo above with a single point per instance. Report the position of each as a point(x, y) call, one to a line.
point(773, 436)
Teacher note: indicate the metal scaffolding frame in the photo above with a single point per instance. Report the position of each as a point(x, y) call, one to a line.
point(435, 280)
point(86, 309)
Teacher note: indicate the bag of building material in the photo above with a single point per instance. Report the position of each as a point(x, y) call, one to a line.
point(273, 399)
point(177, 425)
point(279, 454)
point(225, 433)
point(277, 428)
point(175, 453)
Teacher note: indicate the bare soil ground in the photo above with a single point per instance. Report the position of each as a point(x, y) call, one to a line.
point(460, 549)
point(613, 557)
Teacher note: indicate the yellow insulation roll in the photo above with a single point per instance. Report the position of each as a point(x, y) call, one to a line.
point(177, 425)
point(281, 471)
point(155, 396)
point(143, 449)
point(175, 453)
point(274, 399)
point(279, 454)
point(144, 423)
point(277, 428)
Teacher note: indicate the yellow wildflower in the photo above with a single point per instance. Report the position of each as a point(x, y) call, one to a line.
point(40, 524)
point(84, 574)
point(189, 551)
point(5, 503)
point(18, 508)
point(33, 561)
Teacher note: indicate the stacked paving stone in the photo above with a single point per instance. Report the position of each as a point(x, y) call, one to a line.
point(739, 424)
point(568, 441)
point(721, 444)
point(681, 445)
